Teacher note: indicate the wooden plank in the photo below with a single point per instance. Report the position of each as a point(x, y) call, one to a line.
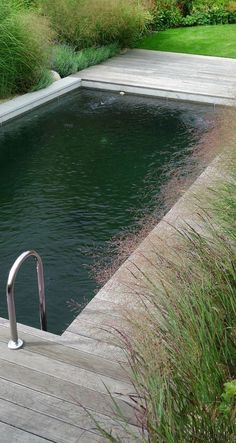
point(63, 371)
point(62, 410)
point(80, 342)
point(38, 424)
point(93, 346)
point(74, 357)
point(104, 327)
point(87, 328)
point(10, 434)
point(99, 318)
point(108, 307)
point(165, 71)
point(85, 438)
point(166, 84)
point(65, 390)
point(187, 74)
point(175, 57)
point(88, 438)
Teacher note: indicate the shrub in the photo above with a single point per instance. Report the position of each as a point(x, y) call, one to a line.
point(85, 23)
point(180, 336)
point(167, 14)
point(231, 6)
point(27, 3)
point(185, 6)
point(174, 13)
point(227, 406)
point(24, 41)
point(208, 5)
point(215, 17)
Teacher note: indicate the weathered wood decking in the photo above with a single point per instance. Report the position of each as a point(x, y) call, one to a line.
point(164, 74)
point(51, 389)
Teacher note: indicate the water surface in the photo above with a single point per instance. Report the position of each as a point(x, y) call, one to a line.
point(72, 175)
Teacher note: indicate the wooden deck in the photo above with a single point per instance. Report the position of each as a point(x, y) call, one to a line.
point(169, 75)
point(53, 389)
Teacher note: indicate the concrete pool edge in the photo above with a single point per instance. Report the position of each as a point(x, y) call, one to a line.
point(145, 91)
point(27, 102)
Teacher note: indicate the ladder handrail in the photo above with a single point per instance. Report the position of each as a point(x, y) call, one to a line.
point(15, 342)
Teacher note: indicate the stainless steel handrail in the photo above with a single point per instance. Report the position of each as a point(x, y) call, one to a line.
point(15, 342)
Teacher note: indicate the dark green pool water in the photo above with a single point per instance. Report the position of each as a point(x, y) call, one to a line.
point(72, 175)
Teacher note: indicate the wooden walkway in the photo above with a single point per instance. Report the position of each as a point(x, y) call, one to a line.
point(165, 74)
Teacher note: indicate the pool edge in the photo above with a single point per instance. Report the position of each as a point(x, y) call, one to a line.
point(27, 102)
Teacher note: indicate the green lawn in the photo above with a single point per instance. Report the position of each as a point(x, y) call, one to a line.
point(216, 40)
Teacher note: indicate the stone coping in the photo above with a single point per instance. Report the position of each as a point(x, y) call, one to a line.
point(25, 103)
point(162, 93)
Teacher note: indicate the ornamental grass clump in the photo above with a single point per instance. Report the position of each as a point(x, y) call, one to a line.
point(85, 23)
point(182, 348)
point(24, 42)
point(65, 60)
point(180, 336)
point(94, 56)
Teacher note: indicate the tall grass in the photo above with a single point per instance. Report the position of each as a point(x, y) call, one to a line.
point(85, 23)
point(24, 42)
point(182, 348)
point(181, 342)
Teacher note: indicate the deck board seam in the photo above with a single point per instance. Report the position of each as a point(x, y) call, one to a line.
point(48, 415)
point(59, 341)
point(106, 416)
point(27, 432)
point(74, 403)
point(52, 358)
point(115, 394)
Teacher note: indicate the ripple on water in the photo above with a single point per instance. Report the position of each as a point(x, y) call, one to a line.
point(73, 174)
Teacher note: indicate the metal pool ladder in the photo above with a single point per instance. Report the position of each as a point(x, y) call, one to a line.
point(15, 342)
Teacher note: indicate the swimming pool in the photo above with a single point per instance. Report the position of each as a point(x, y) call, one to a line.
point(74, 173)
